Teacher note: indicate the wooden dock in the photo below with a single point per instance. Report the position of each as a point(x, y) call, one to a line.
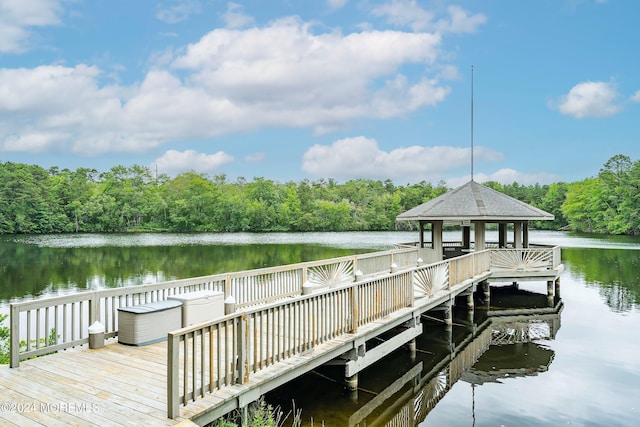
point(193, 377)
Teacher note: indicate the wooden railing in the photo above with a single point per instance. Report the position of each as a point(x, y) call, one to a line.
point(528, 259)
point(284, 324)
point(207, 357)
point(268, 334)
point(51, 324)
point(468, 266)
point(48, 325)
point(442, 275)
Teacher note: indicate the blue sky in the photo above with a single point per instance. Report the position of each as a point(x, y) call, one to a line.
point(343, 89)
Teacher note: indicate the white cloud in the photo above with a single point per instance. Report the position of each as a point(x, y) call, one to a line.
point(176, 11)
point(461, 21)
point(293, 77)
point(449, 72)
point(234, 18)
point(281, 75)
point(410, 14)
point(336, 4)
point(17, 17)
point(589, 99)
point(507, 176)
point(175, 162)
point(52, 107)
point(636, 97)
point(255, 157)
point(361, 157)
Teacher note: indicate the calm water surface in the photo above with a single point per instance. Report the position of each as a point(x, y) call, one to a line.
point(579, 365)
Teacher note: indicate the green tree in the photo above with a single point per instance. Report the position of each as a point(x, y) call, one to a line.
point(73, 190)
point(192, 200)
point(614, 177)
point(26, 201)
point(584, 206)
point(552, 202)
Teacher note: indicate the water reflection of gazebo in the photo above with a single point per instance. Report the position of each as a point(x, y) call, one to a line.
point(472, 205)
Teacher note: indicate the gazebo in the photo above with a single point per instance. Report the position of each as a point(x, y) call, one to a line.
point(473, 204)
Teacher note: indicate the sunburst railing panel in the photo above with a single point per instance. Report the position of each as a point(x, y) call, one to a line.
point(522, 259)
point(431, 279)
point(331, 274)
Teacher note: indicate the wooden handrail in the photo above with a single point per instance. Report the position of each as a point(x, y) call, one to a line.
point(50, 324)
point(285, 328)
point(263, 335)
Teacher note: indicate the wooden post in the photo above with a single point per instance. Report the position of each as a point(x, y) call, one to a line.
point(466, 237)
point(448, 314)
point(351, 382)
point(479, 231)
point(436, 238)
point(173, 375)
point(421, 234)
point(517, 235)
point(229, 305)
point(227, 286)
point(470, 303)
point(557, 287)
point(94, 308)
point(525, 234)
point(550, 288)
point(448, 329)
point(353, 295)
point(242, 347)
point(14, 321)
point(411, 346)
point(502, 235)
point(486, 289)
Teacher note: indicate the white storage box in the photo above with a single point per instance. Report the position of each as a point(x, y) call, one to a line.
point(148, 323)
point(200, 306)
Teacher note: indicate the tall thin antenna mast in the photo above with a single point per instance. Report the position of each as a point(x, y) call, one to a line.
point(472, 123)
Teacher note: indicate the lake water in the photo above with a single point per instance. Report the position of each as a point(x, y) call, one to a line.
point(578, 364)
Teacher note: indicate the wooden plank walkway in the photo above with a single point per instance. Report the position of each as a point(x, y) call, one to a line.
point(115, 386)
point(121, 385)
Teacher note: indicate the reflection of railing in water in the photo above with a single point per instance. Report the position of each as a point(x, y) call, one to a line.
point(429, 389)
point(523, 331)
point(470, 355)
point(438, 386)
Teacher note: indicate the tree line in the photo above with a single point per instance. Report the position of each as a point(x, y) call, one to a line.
point(37, 200)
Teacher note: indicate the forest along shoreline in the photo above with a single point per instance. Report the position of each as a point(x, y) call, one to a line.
point(37, 200)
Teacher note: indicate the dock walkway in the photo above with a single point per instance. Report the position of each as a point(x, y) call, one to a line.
point(192, 378)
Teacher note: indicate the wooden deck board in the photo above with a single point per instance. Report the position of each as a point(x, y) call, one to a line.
point(135, 413)
point(110, 379)
point(119, 380)
point(121, 385)
point(42, 405)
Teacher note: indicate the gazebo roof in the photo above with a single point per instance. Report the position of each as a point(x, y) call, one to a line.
point(474, 202)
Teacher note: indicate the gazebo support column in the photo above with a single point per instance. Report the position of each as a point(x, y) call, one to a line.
point(436, 237)
point(502, 235)
point(479, 231)
point(517, 235)
point(421, 234)
point(525, 234)
point(466, 237)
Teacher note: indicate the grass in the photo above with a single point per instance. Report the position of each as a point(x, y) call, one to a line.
point(260, 414)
